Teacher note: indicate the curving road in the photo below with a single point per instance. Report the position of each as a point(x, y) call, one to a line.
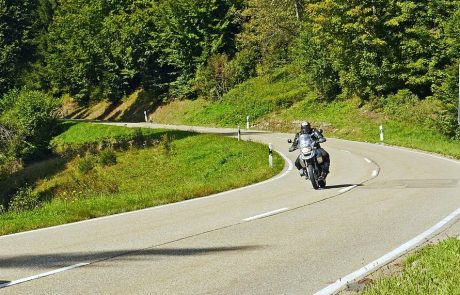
point(279, 237)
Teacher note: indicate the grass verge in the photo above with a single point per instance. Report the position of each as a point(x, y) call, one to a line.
point(81, 133)
point(347, 120)
point(432, 270)
point(191, 166)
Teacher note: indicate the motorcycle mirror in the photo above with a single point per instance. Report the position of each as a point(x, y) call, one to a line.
point(321, 131)
point(289, 141)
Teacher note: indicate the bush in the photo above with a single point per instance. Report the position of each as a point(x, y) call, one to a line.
point(221, 74)
point(32, 117)
point(138, 137)
point(167, 145)
point(86, 164)
point(25, 199)
point(107, 158)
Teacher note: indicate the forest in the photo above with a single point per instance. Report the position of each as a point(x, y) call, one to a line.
point(373, 50)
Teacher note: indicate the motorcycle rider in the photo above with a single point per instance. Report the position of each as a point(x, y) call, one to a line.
point(305, 128)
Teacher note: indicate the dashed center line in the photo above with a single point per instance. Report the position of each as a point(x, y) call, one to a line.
point(367, 160)
point(266, 214)
point(375, 173)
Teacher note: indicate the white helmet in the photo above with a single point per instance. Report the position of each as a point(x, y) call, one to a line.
point(305, 127)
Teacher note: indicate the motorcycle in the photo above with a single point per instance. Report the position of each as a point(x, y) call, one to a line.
point(310, 160)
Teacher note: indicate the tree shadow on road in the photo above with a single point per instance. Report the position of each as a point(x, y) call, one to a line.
point(60, 260)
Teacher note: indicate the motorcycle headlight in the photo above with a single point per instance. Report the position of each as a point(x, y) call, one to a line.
point(306, 150)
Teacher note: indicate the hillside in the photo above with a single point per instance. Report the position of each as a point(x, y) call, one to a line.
point(278, 102)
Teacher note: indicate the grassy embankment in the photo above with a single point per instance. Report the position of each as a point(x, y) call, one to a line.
point(278, 101)
point(433, 270)
point(108, 182)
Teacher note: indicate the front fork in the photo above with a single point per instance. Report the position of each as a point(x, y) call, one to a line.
point(312, 162)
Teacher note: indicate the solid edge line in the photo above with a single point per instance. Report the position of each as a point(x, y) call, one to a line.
point(285, 173)
point(46, 274)
point(342, 282)
point(266, 214)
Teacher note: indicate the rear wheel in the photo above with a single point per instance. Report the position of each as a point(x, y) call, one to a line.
point(312, 176)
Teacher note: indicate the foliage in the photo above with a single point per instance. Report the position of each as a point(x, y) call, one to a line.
point(182, 48)
point(86, 164)
point(270, 30)
point(6, 137)
point(107, 157)
point(256, 97)
point(19, 24)
point(25, 199)
point(221, 74)
point(108, 49)
point(372, 49)
point(31, 116)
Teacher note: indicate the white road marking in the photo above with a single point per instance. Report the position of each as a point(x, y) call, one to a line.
point(16, 282)
point(344, 190)
point(266, 214)
point(346, 151)
point(367, 160)
point(342, 282)
point(375, 173)
point(290, 167)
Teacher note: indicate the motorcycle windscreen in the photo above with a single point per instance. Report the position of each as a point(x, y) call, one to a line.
point(305, 140)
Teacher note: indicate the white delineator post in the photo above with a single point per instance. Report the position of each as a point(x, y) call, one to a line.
point(146, 118)
point(247, 122)
point(239, 133)
point(270, 155)
point(381, 133)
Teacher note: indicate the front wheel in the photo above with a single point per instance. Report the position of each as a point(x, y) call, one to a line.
point(322, 183)
point(312, 176)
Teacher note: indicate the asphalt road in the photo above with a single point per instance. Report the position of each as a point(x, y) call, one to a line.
point(377, 199)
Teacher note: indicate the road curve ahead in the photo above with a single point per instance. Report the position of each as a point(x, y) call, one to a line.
point(280, 237)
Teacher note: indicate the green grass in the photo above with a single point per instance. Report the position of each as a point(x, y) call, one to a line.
point(192, 166)
point(433, 270)
point(80, 133)
point(346, 120)
point(257, 98)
